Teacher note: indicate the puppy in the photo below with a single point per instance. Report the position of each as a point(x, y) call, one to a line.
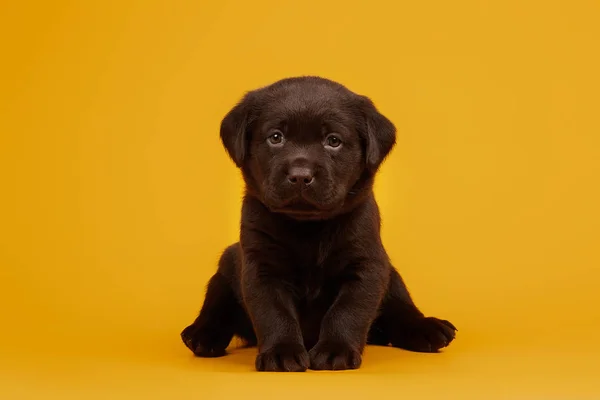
point(309, 282)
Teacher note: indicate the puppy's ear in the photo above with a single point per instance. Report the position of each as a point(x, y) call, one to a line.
point(234, 129)
point(379, 134)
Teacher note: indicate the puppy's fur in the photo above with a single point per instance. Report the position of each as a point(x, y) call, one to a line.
point(309, 282)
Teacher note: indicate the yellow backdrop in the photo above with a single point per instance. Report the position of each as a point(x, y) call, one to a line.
point(117, 198)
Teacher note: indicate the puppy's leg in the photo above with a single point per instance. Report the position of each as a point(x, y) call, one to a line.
point(403, 325)
point(275, 319)
point(221, 316)
point(210, 334)
point(346, 324)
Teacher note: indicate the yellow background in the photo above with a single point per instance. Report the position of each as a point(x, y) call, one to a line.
point(117, 198)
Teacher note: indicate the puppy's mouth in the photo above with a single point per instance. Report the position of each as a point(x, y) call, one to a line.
point(302, 204)
point(298, 207)
point(303, 215)
point(303, 210)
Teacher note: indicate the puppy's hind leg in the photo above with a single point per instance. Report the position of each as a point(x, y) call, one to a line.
point(222, 315)
point(402, 325)
point(212, 331)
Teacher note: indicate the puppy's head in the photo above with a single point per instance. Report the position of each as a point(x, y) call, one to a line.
point(308, 147)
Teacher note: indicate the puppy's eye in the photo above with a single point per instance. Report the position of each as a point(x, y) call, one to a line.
point(276, 138)
point(333, 141)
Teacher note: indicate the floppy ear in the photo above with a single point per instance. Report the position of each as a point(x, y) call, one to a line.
point(234, 130)
point(379, 135)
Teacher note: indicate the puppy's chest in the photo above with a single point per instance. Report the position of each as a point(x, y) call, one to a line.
point(315, 262)
point(308, 250)
point(315, 276)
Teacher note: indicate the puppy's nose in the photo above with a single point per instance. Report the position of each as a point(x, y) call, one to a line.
point(300, 176)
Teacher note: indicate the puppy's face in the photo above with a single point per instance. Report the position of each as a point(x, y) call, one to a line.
point(308, 147)
point(305, 153)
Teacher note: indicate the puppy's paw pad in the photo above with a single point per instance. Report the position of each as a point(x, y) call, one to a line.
point(283, 357)
point(427, 334)
point(202, 342)
point(334, 356)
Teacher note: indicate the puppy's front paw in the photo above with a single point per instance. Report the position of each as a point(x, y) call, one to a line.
point(204, 342)
point(332, 355)
point(426, 334)
point(283, 357)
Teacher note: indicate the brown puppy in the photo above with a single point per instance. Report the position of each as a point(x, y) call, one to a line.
point(309, 282)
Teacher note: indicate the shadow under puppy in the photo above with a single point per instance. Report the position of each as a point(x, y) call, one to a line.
point(309, 282)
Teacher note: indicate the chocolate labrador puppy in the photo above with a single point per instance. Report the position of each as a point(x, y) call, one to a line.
point(309, 282)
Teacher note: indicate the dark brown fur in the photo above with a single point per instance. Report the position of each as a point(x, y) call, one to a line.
point(309, 282)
